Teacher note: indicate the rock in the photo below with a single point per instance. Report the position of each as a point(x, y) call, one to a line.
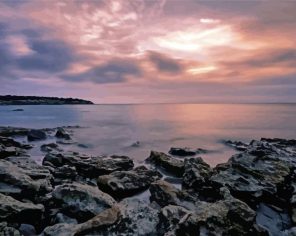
point(196, 174)
point(19, 109)
point(65, 172)
point(27, 230)
point(17, 211)
point(23, 180)
point(9, 142)
point(10, 147)
point(13, 131)
point(35, 135)
point(50, 147)
point(136, 144)
point(168, 163)
point(81, 201)
point(94, 226)
point(62, 218)
point(164, 193)
point(91, 167)
point(257, 175)
point(183, 152)
point(6, 230)
point(238, 145)
point(62, 133)
point(126, 183)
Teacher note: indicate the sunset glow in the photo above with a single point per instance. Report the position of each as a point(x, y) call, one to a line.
point(113, 48)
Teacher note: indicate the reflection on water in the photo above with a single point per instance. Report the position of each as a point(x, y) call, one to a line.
point(112, 129)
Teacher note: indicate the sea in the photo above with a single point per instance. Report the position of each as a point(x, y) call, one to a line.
point(135, 130)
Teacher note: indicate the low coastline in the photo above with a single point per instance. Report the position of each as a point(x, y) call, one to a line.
point(76, 194)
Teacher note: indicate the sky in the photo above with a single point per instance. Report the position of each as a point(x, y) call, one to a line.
point(148, 51)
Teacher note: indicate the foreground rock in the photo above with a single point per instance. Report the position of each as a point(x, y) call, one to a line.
point(10, 147)
point(168, 163)
point(16, 211)
point(61, 133)
point(35, 135)
point(89, 166)
point(126, 183)
point(21, 177)
point(81, 201)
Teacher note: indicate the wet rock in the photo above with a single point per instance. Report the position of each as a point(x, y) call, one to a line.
point(126, 183)
point(13, 131)
point(21, 180)
point(183, 152)
point(50, 147)
point(65, 172)
point(165, 193)
point(17, 211)
point(8, 151)
point(9, 142)
point(81, 201)
point(238, 145)
point(35, 135)
point(89, 166)
point(258, 174)
point(168, 163)
point(10, 147)
point(27, 230)
point(6, 230)
point(62, 133)
point(136, 144)
point(196, 174)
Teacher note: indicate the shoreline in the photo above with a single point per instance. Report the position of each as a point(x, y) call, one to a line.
point(73, 193)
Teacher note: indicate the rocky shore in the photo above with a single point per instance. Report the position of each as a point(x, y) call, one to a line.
point(71, 193)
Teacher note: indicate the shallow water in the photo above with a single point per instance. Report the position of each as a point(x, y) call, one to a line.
point(113, 129)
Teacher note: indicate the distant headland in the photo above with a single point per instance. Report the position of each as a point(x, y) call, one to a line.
point(36, 100)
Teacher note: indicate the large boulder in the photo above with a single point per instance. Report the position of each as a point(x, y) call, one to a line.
point(35, 135)
point(81, 201)
point(125, 183)
point(172, 165)
point(21, 212)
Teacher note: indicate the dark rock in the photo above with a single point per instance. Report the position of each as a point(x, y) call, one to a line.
point(61, 218)
point(238, 145)
point(6, 230)
point(50, 147)
point(81, 201)
point(65, 172)
point(27, 230)
point(168, 163)
point(126, 183)
point(62, 133)
point(196, 174)
point(136, 144)
point(258, 174)
point(17, 211)
point(19, 109)
point(13, 131)
point(10, 147)
point(35, 135)
point(183, 152)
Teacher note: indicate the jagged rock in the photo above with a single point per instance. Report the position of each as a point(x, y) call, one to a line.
point(81, 201)
point(6, 230)
point(238, 145)
point(125, 183)
point(62, 218)
point(10, 147)
point(50, 147)
point(9, 142)
point(35, 134)
point(27, 230)
point(62, 133)
point(17, 211)
point(65, 172)
point(89, 166)
point(196, 173)
point(168, 163)
point(22, 178)
point(183, 152)
point(258, 174)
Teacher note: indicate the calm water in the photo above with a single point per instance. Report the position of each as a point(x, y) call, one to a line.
point(112, 129)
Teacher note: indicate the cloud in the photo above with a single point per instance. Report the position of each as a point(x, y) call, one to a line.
point(164, 63)
point(115, 71)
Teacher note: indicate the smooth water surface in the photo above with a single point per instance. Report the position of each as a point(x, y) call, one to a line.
point(113, 129)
